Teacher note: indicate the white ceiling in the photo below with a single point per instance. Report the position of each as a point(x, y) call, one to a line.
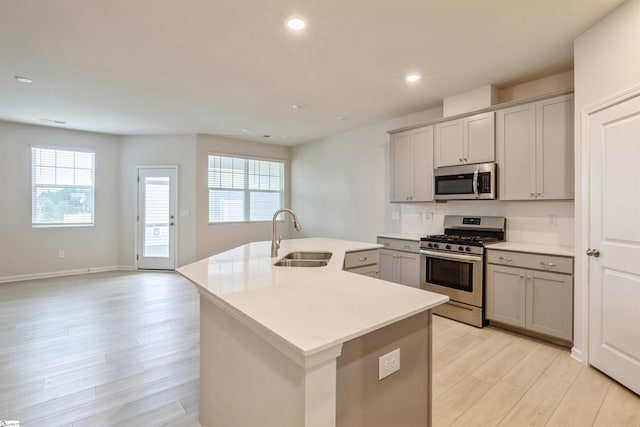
point(220, 66)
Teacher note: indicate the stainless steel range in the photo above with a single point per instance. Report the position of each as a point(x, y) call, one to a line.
point(453, 264)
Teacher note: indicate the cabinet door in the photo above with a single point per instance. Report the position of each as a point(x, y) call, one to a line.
point(479, 138)
point(408, 268)
point(506, 295)
point(516, 149)
point(550, 303)
point(401, 154)
point(449, 143)
point(422, 164)
point(554, 122)
point(387, 265)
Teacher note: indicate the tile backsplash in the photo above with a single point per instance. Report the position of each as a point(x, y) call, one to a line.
point(543, 222)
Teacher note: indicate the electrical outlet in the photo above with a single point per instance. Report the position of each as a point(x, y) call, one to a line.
point(428, 216)
point(60, 254)
point(388, 363)
point(395, 215)
point(553, 220)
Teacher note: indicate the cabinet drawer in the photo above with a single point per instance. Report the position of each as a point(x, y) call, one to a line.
point(360, 258)
point(399, 244)
point(542, 262)
point(367, 270)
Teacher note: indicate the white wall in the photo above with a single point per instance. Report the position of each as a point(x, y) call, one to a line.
point(607, 62)
point(137, 151)
point(28, 252)
point(340, 184)
point(215, 238)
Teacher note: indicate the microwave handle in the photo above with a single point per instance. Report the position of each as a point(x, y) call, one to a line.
point(475, 183)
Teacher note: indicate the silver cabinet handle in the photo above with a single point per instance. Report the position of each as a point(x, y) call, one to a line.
point(407, 246)
point(505, 259)
point(521, 276)
point(464, 159)
point(362, 259)
point(460, 160)
point(548, 264)
point(528, 277)
point(532, 194)
point(593, 252)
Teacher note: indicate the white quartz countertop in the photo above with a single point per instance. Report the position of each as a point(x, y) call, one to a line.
point(402, 236)
point(307, 309)
point(535, 248)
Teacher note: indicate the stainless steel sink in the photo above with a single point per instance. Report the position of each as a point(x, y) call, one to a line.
point(309, 255)
point(305, 259)
point(301, 263)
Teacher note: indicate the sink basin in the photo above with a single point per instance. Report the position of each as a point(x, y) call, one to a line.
point(309, 255)
point(287, 262)
point(305, 259)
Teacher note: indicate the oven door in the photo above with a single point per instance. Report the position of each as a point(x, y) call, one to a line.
point(458, 276)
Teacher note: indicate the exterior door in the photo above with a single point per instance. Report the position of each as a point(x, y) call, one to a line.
point(157, 218)
point(614, 241)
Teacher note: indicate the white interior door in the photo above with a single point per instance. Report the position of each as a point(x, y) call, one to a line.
point(614, 271)
point(157, 218)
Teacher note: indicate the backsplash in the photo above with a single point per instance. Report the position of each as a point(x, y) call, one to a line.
point(544, 222)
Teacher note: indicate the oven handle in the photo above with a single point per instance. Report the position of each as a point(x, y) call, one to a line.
point(447, 256)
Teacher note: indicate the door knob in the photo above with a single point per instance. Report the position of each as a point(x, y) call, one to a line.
point(593, 253)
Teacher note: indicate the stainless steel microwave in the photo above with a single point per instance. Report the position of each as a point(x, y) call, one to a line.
point(466, 182)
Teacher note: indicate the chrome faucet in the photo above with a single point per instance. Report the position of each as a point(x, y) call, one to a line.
point(275, 244)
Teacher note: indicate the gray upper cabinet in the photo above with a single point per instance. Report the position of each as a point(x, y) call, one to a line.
point(534, 144)
point(411, 154)
point(466, 140)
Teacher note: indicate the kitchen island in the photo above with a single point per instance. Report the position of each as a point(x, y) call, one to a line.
point(299, 346)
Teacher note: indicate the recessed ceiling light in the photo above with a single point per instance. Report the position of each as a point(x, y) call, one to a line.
point(23, 79)
point(284, 137)
point(247, 130)
point(298, 106)
point(412, 78)
point(296, 23)
point(342, 118)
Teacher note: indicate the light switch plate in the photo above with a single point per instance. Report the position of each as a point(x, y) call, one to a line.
point(388, 364)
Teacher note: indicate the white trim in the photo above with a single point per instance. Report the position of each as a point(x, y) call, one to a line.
point(581, 318)
point(50, 274)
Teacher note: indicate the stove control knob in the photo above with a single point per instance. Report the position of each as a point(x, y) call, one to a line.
point(460, 248)
point(468, 249)
point(435, 245)
point(429, 245)
point(448, 247)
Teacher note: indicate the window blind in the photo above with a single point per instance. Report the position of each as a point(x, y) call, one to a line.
point(62, 187)
point(244, 190)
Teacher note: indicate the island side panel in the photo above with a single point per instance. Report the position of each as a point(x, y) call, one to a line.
point(404, 397)
point(245, 381)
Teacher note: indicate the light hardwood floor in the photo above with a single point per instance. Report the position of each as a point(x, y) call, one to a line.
point(122, 349)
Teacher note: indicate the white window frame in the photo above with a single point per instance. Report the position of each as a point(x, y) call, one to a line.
point(246, 190)
point(34, 186)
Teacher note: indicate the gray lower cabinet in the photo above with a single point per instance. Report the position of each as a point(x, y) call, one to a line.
point(362, 262)
point(535, 300)
point(400, 261)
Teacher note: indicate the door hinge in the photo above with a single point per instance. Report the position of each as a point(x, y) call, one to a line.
point(137, 257)
point(138, 179)
point(138, 218)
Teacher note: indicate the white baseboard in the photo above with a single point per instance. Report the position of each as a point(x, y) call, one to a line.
point(50, 274)
point(576, 354)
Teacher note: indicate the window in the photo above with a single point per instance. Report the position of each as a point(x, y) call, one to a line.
point(244, 190)
point(62, 187)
